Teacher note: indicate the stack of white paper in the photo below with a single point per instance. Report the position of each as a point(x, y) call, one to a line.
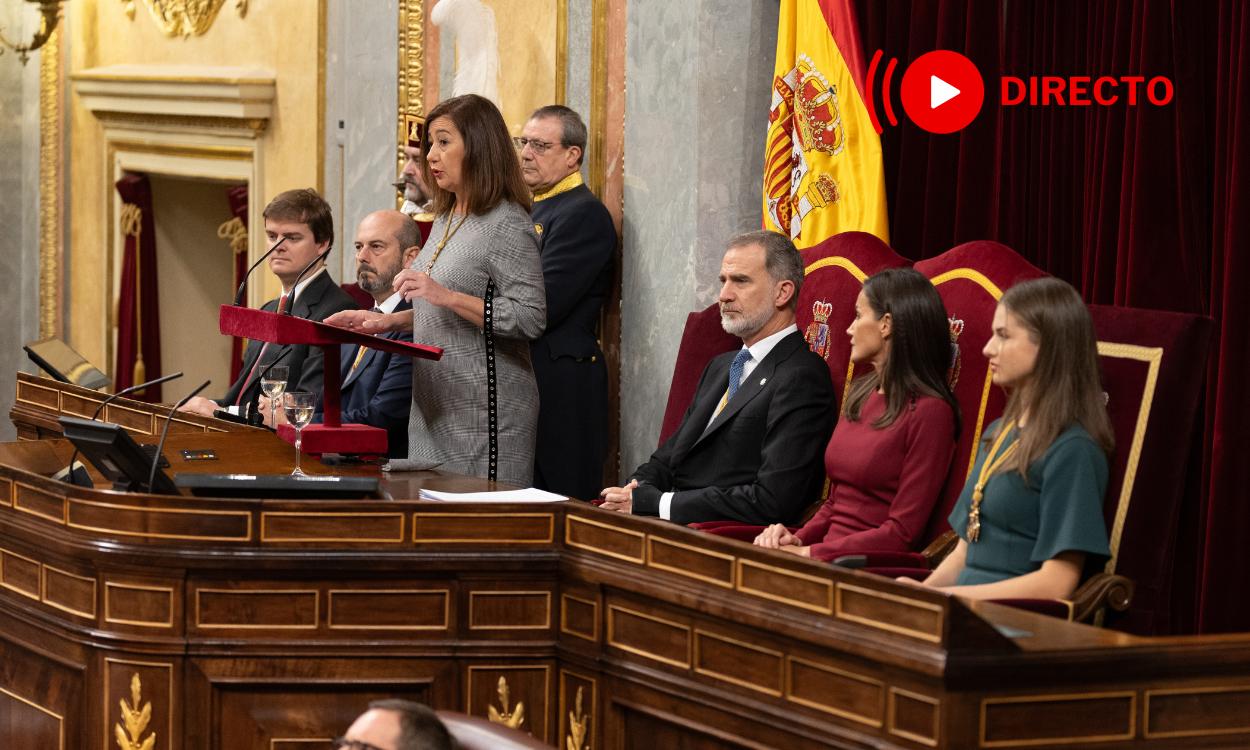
point(531, 495)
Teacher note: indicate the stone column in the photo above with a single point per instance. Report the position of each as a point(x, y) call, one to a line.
point(698, 85)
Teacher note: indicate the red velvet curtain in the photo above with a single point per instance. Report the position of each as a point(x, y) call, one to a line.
point(138, 314)
point(237, 197)
point(1143, 206)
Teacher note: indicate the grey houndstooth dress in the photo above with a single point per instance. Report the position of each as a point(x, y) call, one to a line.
point(448, 423)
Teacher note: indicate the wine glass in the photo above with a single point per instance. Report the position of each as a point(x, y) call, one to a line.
point(272, 384)
point(299, 412)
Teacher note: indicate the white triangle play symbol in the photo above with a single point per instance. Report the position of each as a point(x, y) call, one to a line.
point(940, 92)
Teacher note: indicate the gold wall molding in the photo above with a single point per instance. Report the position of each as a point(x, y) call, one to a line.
point(51, 196)
point(411, 70)
point(184, 18)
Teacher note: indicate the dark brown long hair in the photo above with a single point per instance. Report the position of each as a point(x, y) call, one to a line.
point(490, 172)
point(920, 348)
point(1064, 388)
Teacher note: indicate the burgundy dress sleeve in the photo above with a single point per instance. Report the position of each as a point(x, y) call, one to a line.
point(928, 445)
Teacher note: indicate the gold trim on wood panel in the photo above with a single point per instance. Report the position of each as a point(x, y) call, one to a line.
point(468, 696)
point(17, 506)
point(1153, 357)
point(594, 618)
point(60, 720)
point(419, 516)
point(641, 559)
point(6, 494)
point(38, 595)
point(891, 716)
point(1055, 698)
point(44, 585)
point(850, 715)
point(141, 415)
point(651, 563)
point(169, 713)
point(775, 692)
point(611, 641)
point(303, 592)
point(148, 535)
point(168, 590)
point(576, 720)
point(512, 718)
point(265, 515)
point(935, 637)
point(129, 731)
point(51, 182)
point(351, 592)
point(1149, 694)
point(546, 617)
point(826, 609)
point(21, 398)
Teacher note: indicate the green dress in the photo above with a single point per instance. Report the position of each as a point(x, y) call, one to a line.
point(1024, 524)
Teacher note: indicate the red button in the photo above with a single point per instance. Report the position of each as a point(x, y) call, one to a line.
point(942, 91)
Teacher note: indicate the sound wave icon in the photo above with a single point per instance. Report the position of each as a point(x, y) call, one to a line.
point(885, 91)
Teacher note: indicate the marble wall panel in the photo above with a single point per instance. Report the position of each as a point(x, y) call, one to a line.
point(362, 48)
point(19, 209)
point(697, 93)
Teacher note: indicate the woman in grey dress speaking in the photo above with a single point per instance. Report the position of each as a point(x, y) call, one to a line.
point(477, 291)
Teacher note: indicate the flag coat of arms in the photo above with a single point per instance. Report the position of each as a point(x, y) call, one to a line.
point(822, 165)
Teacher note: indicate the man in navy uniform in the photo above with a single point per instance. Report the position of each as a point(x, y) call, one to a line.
point(578, 241)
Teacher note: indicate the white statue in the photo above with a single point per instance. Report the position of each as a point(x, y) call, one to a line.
point(471, 25)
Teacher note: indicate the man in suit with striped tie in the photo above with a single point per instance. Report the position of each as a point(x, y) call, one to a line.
point(377, 386)
point(750, 446)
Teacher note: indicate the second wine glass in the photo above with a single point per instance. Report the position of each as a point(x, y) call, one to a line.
point(299, 407)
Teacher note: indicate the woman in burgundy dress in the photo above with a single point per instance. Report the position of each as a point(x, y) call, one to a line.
point(890, 453)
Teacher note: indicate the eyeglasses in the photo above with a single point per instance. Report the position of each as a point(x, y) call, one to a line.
point(539, 147)
point(342, 743)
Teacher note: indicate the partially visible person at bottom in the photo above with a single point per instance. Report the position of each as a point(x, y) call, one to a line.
point(748, 448)
point(376, 386)
point(394, 724)
point(476, 290)
point(890, 453)
point(578, 242)
point(1031, 515)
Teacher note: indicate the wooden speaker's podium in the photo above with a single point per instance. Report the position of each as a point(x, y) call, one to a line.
point(330, 436)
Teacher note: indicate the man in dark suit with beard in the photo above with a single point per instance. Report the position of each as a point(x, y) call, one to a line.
point(750, 447)
point(304, 219)
point(578, 242)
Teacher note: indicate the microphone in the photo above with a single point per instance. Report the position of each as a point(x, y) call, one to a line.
point(169, 418)
point(253, 415)
point(238, 296)
point(311, 263)
point(69, 472)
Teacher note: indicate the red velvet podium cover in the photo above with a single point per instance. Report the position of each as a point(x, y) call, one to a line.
point(330, 436)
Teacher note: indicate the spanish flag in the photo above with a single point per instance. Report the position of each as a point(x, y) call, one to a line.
point(822, 166)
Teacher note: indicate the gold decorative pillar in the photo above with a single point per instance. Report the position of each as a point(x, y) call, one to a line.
point(51, 188)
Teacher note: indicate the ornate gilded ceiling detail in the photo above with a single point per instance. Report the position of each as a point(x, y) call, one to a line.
point(184, 17)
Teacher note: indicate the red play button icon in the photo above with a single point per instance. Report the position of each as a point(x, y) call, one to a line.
point(942, 91)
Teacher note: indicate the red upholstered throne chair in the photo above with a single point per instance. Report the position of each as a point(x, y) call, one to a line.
point(834, 273)
point(970, 279)
point(1152, 364)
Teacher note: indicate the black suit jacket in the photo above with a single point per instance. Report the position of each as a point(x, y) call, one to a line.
point(578, 243)
point(761, 460)
point(318, 301)
point(379, 391)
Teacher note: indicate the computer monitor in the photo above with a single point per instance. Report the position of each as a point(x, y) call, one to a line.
point(56, 358)
point(116, 455)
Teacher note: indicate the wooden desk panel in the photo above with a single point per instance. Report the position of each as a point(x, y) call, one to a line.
point(267, 624)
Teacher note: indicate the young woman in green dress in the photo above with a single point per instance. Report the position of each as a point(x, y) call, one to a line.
point(1030, 517)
